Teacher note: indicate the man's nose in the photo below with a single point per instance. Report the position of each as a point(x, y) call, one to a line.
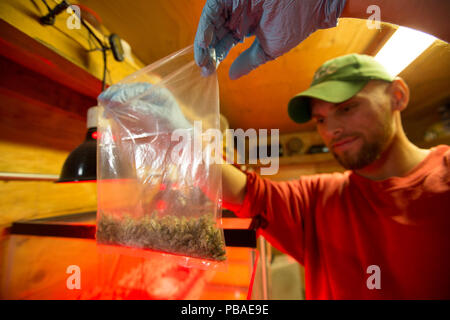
point(333, 129)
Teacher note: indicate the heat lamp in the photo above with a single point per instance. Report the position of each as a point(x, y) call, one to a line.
point(81, 164)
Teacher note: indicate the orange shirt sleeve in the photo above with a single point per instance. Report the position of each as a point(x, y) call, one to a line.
point(282, 208)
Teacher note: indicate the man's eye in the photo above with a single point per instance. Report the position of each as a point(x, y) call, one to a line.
point(348, 107)
point(320, 121)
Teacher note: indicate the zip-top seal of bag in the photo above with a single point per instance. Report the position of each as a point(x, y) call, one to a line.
point(155, 192)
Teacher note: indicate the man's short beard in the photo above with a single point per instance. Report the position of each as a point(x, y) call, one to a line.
point(369, 152)
point(366, 155)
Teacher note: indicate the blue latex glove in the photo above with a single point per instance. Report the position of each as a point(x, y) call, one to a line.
point(279, 26)
point(135, 102)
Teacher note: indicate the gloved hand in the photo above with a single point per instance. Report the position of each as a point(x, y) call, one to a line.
point(132, 104)
point(279, 26)
point(144, 117)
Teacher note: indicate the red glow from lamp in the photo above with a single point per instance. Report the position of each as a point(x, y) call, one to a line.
point(161, 205)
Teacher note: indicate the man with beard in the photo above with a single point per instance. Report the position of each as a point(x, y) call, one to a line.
point(380, 230)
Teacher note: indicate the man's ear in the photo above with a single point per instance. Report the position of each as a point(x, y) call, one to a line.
point(399, 92)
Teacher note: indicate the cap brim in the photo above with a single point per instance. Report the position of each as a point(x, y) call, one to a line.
point(332, 91)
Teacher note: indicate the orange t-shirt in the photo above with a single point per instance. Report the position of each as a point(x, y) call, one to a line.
point(358, 238)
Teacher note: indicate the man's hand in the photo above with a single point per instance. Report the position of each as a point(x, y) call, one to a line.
point(134, 104)
point(279, 26)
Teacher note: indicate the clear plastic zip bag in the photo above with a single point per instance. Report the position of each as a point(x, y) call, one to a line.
point(158, 187)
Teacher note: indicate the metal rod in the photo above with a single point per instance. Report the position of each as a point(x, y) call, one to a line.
point(19, 176)
point(264, 273)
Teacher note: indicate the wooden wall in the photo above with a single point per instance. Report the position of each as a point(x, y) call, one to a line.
point(48, 80)
point(291, 165)
point(36, 137)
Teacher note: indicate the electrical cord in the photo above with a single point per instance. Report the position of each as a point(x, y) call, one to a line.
point(49, 20)
point(46, 4)
point(104, 49)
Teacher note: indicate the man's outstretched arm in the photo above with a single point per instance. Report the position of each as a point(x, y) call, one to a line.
point(234, 183)
point(280, 25)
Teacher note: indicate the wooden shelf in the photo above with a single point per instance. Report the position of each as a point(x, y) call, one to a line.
point(59, 227)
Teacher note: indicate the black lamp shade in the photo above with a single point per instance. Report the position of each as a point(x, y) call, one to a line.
point(81, 164)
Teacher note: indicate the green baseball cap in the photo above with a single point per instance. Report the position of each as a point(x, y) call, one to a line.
point(337, 80)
